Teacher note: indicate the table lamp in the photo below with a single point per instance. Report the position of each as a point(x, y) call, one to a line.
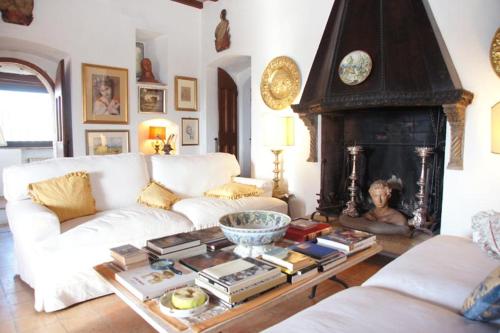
point(158, 135)
point(495, 128)
point(280, 134)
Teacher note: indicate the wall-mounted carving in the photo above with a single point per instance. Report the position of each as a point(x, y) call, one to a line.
point(455, 113)
point(17, 11)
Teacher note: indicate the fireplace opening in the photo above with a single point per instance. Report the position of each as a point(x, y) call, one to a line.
point(388, 137)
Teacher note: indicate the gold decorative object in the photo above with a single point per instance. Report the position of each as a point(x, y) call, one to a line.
point(280, 83)
point(355, 67)
point(495, 52)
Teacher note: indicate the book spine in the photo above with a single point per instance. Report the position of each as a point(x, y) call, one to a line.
point(213, 283)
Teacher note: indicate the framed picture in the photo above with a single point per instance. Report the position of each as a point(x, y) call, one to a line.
point(190, 132)
point(105, 94)
point(139, 55)
point(186, 93)
point(106, 142)
point(152, 98)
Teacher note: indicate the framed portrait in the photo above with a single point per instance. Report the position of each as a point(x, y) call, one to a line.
point(105, 94)
point(152, 98)
point(190, 132)
point(186, 93)
point(107, 142)
point(139, 55)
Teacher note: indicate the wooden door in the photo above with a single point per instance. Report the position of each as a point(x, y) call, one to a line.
point(64, 142)
point(228, 113)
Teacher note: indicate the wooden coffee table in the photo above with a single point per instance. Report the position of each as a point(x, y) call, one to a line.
point(150, 310)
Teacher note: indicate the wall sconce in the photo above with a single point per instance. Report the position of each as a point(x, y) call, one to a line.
point(158, 135)
point(495, 128)
point(280, 134)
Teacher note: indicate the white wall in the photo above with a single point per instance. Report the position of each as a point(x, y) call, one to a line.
point(266, 29)
point(103, 32)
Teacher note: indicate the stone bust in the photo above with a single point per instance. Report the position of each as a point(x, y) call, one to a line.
point(147, 71)
point(380, 192)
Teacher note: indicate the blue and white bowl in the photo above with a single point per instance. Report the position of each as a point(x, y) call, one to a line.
point(254, 231)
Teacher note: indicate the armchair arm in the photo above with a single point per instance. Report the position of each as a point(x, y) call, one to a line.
point(31, 221)
point(265, 185)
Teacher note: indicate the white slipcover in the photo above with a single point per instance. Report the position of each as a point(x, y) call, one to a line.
point(369, 309)
point(443, 270)
point(116, 180)
point(193, 175)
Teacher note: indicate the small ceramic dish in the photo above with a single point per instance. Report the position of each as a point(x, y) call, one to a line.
point(165, 303)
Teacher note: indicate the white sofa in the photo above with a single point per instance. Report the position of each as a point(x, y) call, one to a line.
point(421, 291)
point(56, 259)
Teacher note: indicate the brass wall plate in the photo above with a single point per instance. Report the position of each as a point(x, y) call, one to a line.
point(280, 83)
point(495, 52)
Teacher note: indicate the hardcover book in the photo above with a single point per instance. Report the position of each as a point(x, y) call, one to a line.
point(209, 259)
point(219, 244)
point(209, 235)
point(300, 235)
point(239, 273)
point(180, 254)
point(292, 260)
point(316, 251)
point(348, 240)
point(173, 243)
point(303, 223)
point(128, 254)
point(147, 283)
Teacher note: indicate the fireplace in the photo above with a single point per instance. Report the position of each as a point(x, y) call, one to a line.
point(406, 100)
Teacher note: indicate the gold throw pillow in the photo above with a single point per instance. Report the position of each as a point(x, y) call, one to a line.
point(156, 195)
point(234, 191)
point(69, 196)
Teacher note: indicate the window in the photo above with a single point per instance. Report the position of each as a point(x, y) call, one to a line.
point(26, 116)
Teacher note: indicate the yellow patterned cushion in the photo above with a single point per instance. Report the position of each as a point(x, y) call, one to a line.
point(69, 196)
point(234, 191)
point(484, 302)
point(156, 195)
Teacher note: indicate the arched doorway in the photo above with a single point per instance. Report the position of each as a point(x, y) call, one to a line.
point(32, 114)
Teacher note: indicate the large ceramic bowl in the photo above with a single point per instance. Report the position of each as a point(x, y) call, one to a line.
point(254, 231)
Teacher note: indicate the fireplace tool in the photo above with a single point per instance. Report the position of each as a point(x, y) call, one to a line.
point(351, 209)
point(419, 220)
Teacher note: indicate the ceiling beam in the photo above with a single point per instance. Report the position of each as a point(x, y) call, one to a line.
point(192, 3)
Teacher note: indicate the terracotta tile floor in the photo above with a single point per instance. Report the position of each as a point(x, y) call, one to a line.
point(110, 314)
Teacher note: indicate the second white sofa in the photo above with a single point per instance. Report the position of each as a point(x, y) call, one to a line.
point(56, 259)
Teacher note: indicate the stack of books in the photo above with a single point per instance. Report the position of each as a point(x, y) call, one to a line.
point(175, 247)
point(209, 259)
point(147, 283)
point(347, 240)
point(214, 238)
point(295, 265)
point(237, 280)
point(301, 230)
point(326, 257)
point(128, 256)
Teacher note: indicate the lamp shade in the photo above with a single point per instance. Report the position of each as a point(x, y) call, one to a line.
point(157, 133)
point(280, 132)
point(495, 128)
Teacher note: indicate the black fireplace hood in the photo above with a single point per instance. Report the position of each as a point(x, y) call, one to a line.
point(410, 65)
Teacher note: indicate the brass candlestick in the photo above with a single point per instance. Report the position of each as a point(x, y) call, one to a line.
point(351, 209)
point(420, 213)
point(277, 191)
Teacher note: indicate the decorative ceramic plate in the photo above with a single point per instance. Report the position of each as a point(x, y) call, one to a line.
point(165, 303)
point(280, 83)
point(355, 67)
point(495, 52)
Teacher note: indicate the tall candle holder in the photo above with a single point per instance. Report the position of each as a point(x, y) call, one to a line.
point(351, 209)
point(420, 213)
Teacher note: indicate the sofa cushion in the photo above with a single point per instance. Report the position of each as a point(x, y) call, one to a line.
point(442, 270)
point(69, 196)
point(193, 175)
point(233, 191)
point(369, 309)
point(108, 175)
point(156, 195)
point(205, 212)
point(63, 264)
point(486, 232)
point(484, 302)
